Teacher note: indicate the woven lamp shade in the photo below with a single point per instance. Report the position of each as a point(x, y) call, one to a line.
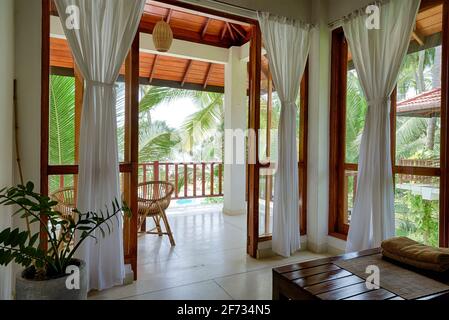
point(162, 36)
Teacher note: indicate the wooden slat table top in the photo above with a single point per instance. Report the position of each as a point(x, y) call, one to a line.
point(322, 277)
point(323, 280)
point(311, 271)
point(380, 294)
point(319, 262)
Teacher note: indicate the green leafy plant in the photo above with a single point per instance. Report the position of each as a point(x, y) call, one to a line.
point(24, 248)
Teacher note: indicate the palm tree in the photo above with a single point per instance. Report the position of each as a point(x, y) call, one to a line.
point(196, 131)
point(417, 137)
point(202, 132)
point(156, 141)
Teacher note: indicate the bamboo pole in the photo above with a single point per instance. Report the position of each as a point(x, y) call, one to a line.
point(16, 142)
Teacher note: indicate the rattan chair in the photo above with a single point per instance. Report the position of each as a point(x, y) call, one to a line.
point(66, 198)
point(154, 198)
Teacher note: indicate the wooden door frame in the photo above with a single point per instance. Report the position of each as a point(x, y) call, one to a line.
point(255, 76)
point(253, 169)
point(131, 127)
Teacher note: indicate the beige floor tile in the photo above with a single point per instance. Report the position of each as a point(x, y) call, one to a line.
point(254, 285)
point(207, 290)
point(210, 246)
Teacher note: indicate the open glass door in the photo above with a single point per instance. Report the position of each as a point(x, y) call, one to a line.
point(264, 117)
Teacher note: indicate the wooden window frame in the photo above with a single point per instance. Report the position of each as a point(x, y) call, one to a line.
point(337, 160)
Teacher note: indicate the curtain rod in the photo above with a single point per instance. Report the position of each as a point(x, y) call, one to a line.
point(338, 21)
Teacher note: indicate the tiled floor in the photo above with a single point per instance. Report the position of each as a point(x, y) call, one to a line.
point(208, 262)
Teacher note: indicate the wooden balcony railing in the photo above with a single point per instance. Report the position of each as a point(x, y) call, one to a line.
point(191, 179)
point(419, 163)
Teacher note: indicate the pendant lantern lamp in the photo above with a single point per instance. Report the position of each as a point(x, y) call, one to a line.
point(162, 36)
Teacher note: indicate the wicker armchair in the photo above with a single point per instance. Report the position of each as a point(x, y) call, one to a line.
point(154, 198)
point(66, 198)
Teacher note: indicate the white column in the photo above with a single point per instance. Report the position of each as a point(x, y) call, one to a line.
point(235, 113)
point(318, 122)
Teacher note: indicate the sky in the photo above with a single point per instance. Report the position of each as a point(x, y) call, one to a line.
point(174, 113)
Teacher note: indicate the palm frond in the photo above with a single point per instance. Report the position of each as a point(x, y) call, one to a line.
point(62, 120)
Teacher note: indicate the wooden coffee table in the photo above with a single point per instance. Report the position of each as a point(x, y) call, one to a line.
point(324, 280)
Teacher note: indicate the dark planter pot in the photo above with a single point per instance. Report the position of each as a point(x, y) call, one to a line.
point(52, 289)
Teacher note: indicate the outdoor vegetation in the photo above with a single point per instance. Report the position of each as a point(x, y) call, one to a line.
point(198, 139)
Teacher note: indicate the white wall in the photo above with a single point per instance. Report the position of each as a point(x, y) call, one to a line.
point(28, 75)
point(6, 122)
point(27, 66)
point(298, 9)
point(340, 8)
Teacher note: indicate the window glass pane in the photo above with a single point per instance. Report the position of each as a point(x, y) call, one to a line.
point(355, 113)
point(418, 114)
point(350, 190)
point(57, 184)
point(120, 108)
point(417, 208)
point(266, 194)
point(61, 142)
point(62, 120)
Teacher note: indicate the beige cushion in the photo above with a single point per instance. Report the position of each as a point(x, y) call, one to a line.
point(408, 251)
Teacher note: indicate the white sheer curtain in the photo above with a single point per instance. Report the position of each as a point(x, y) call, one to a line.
point(100, 43)
point(287, 43)
point(378, 55)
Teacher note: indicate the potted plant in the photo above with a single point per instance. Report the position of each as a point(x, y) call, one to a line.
point(51, 271)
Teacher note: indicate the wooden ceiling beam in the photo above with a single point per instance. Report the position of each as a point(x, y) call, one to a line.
point(153, 68)
point(209, 72)
point(203, 33)
point(416, 36)
point(240, 32)
point(223, 32)
point(147, 25)
point(186, 72)
point(231, 33)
